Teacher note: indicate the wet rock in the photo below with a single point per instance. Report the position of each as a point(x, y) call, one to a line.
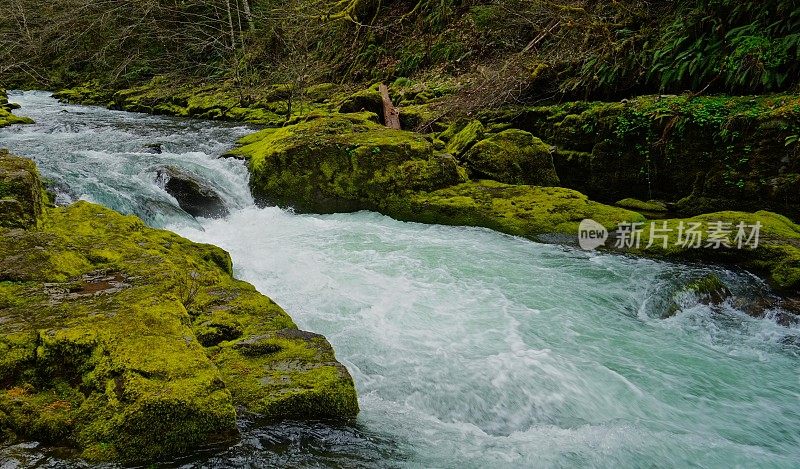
point(709, 290)
point(341, 163)
point(194, 195)
point(108, 348)
point(6, 117)
point(154, 148)
point(20, 192)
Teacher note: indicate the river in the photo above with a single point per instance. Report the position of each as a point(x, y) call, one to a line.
point(469, 348)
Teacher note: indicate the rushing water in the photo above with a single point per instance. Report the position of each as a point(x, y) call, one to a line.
point(469, 348)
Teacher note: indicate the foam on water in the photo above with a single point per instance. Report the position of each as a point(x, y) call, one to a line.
point(468, 348)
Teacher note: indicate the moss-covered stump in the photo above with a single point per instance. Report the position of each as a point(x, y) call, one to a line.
point(776, 255)
point(6, 116)
point(528, 211)
point(342, 162)
point(130, 343)
point(20, 192)
point(513, 157)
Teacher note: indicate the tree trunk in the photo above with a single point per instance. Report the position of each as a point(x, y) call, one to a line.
point(391, 115)
point(230, 23)
point(248, 15)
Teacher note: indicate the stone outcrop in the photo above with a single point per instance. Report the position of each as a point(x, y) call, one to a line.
point(6, 116)
point(129, 343)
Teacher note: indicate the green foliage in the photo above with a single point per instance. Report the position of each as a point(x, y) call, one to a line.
point(745, 45)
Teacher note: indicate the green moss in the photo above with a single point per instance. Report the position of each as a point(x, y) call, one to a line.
point(415, 116)
point(366, 100)
point(90, 93)
point(653, 206)
point(121, 341)
point(342, 163)
point(520, 210)
point(21, 197)
point(514, 157)
point(462, 140)
point(777, 254)
point(6, 116)
point(708, 152)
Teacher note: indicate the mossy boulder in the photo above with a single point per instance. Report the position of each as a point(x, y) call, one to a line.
point(165, 96)
point(708, 290)
point(520, 210)
point(642, 206)
point(776, 254)
point(369, 100)
point(127, 343)
point(90, 94)
point(20, 192)
point(726, 152)
point(6, 116)
point(342, 162)
point(513, 157)
point(414, 117)
point(460, 138)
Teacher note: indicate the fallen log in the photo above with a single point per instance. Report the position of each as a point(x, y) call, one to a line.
point(391, 115)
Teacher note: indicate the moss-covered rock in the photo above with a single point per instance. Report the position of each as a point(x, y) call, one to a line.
point(513, 157)
point(369, 100)
point(6, 116)
point(708, 290)
point(267, 105)
point(521, 210)
point(90, 94)
point(642, 206)
point(726, 152)
point(461, 140)
point(776, 254)
point(342, 162)
point(129, 343)
point(20, 192)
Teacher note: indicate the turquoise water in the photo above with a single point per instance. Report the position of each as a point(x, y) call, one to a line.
point(469, 348)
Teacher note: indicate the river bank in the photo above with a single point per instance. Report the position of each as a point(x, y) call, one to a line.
point(125, 343)
point(695, 155)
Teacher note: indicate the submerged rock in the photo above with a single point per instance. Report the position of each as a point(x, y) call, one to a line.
point(194, 196)
point(708, 290)
point(513, 157)
point(121, 341)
